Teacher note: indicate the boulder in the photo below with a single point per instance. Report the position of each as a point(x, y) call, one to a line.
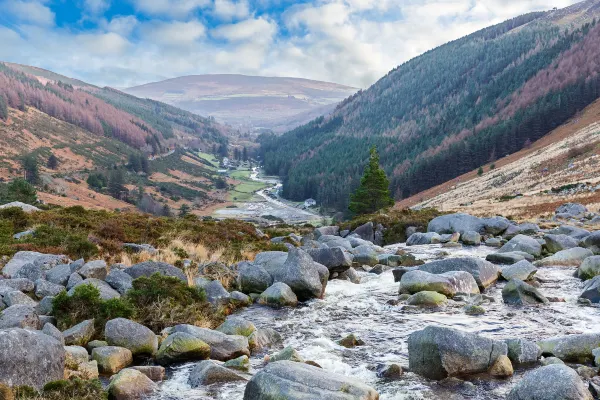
point(502, 368)
point(74, 356)
point(493, 242)
point(156, 373)
point(556, 243)
point(59, 274)
point(287, 354)
point(306, 278)
point(215, 292)
point(20, 284)
point(74, 279)
point(30, 358)
point(94, 269)
point(262, 339)
point(53, 331)
point(45, 288)
point(448, 284)
point(591, 290)
point(44, 307)
point(427, 299)
point(589, 268)
point(253, 278)
point(30, 271)
point(458, 222)
point(208, 372)
point(119, 280)
point(241, 364)
point(19, 316)
point(522, 270)
point(240, 299)
point(14, 297)
point(140, 248)
point(326, 230)
point(484, 272)
point(180, 347)
point(509, 258)
point(592, 242)
point(237, 326)
point(271, 260)
point(278, 295)
point(517, 292)
point(336, 259)
point(495, 225)
point(365, 255)
point(296, 381)
point(131, 384)
point(575, 210)
point(80, 334)
point(351, 341)
point(419, 238)
point(151, 267)
point(336, 241)
point(522, 229)
point(471, 238)
point(112, 359)
point(439, 352)
point(106, 292)
point(572, 231)
point(576, 348)
point(570, 257)
point(135, 337)
point(222, 347)
point(77, 265)
point(22, 258)
point(365, 232)
point(350, 275)
point(552, 382)
point(522, 243)
point(523, 352)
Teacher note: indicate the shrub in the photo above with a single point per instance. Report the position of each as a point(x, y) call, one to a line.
point(16, 216)
point(73, 389)
point(18, 190)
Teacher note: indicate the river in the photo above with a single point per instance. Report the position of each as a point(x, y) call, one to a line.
point(363, 309)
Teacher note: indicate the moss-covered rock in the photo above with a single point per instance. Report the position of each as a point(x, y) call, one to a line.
point(130, 384)
point(241, 364)
point(427, 299)
point(112, 359)
point(287, 354)
point(181, 346)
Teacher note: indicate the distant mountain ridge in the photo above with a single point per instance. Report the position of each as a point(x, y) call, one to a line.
point(247, 102)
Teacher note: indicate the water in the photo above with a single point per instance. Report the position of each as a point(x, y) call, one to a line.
point(362, 309)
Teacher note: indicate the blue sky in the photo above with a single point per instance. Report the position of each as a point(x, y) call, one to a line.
point(122, 43)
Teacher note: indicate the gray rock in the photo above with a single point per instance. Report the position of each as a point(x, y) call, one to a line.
point(356, 241)
point(471, 238)
point(493, 242)
point(94, 269)
point(151, 267)
point(154, 372)
point(287, 354)
point(556, 243)
point(237, 326)
point(207, 372)
point(74, 279)
point(240, 298)
point(270, 260)
point(75, 266)
point(419, 238)
point(365, 255)
point(517, 292)
point(215, 292)
point(523, 352)
point(253, 278)
point(456, 223)
point(80, 334)
point(112, 359)
point(125, 333)
point(21, 235)
point(522, 270)
point(495, 225)
point(222, 347)
point(181, 347)
point(45, 319)
point(439, 352)
point(53, 331)
point(140, 248)
point(427, 299)
point(576, 210)
point(336, 241)
point(14, 297)
point(278, 295)
point(19, 316)
point(44, 288)
point(131, 384)
point(552, 382)
point(365, 232)
point(30, 271)
point(306, 278)
point(326, 230)
point(576, 348)
point(44, 307)
point(59, 275)
point(119, 280)
point(336, 259)
point(484, 272)
point(509, 258)
point(591, 290)
point(448, 284)
point(20, 284)
point(262, 339)
point(573, 231)
point(30, 358)
point(46, 261)
point(350, 275)
point(570, 257)
point(522, 229)
point(296, 381)
point(106, 292)
point(589, 269)
point(522, 243)
point(592, 242)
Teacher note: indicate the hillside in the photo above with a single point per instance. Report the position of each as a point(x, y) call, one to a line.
point(450, 110)
point(248, 102)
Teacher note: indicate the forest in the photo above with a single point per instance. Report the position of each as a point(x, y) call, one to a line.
point(445, 113)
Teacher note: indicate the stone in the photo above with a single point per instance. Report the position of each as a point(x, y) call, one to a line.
point(586, 372)
point(596, 355)
point(140, 248)
point(522, 229)
point(112, 359)
point(495, 225)
point(45, 288)
point(30, 358)
point(94, 269)
point(119, 280)
point(298, 381)
point(589, 268)
point(556, 243)
point(181, 347)
point(30, 271)
point(440, 352)
point(471, 238)
point(74, 356)
point(458, 222)
point(53, 331)
point(484, 272)
point(517, 292)
point(156, 373)
point(551, 361)
point(350, 275)
point(20, 284)
point(390, 372)
point(278, 295)
point(523, 352)
point(207, 372)
point(575, 348)
point(80, 334)
point(326, 230)
point(19, 316)
point(345, 243)
point(222, 347)
point(106, 292)
point(427, 299)
point(592, 242)
point(74, 279)
point(365, 255)
point(365, 232)
point(44, 307)
point(306, 278)
point(14, 297)
point(493, 242)
point(131, 384)
point(23, 258)
point(509, 258)
point(419, 238)
point(287, 354)
point(472, 309)
point(237, 326)
point(76, 265)
point(59, 274)
point(95, 344)
point(135, 337)
point(573, 231)
point(502, 368)
point(262, 339)
point(522, 243)
point(351, 341)
point(591, 290)
point(570, 257)
point(240, 299)
point(552, 382)
point(449, 284)
point(149, 268)
point(241, 364)
point(253, 278)
point(522, 270)
point(336, 259)
point(216, 294)
point(572, 209)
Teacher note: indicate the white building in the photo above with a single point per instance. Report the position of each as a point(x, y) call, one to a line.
point(310, 203)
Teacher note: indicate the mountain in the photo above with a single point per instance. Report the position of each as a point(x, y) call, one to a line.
point(247, 102)
point(449, 110)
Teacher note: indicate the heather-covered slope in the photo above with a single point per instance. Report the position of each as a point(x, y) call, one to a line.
point(450, 110)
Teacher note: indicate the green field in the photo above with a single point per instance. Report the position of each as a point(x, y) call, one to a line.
point(209, 159)
point(247, 188)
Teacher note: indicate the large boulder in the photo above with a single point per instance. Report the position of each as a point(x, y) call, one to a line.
point(297, 381)
point(19, 316)
point(471, 238)
point(253, 278)
point(112, 359)
point(59, 274)
point(365, 232)
point(572, 231)
point(106, 292)
point(456, 223)
point(522, 243)
point(119, 280)
point(208, 372)
point(80, 334)
point(306, 278)
point(237, 326)
point(523, 352)
point(523, 270)
point(327, 230)
point(575, 210)
point(592, 242)
point(180, 347)
point(527, 228)
point(131, 384)
point(22, 258)
point(556, 243)
point(576, 348)
point(495, 225)
point(45, 288)
point(440, 352)
point(336, 259)
point(278, 295)
point(30, 358)
point(449, 283)
point(484, 272)
point(517, 292)
point(552, 382)
point(20, 284)
point(151, 267)
point(570, 257)
point(125, 333)
point(509, 258)
point(336, 241)
point(262, 339)
point(271, 261)
point(419, 238)
point(589, 268)
point(94, 269)
point(12, 297)
point(216, 294)
point(222, 347)
point(591, 290)
point(30, 271)
point(365, 255)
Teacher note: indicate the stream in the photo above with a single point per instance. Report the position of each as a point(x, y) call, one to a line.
point(363, 309)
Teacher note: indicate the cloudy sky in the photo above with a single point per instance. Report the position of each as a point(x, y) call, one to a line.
point(123, 43)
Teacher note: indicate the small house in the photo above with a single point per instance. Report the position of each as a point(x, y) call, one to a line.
point(310, 203)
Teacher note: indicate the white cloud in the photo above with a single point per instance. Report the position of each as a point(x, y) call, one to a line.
point(33, 12)
point(259, 30)
point(175, 33)
point(122, 25)
point(174, 8)
point(228, 9)
point(96, 7)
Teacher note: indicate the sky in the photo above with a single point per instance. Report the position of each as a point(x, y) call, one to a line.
point(123, 43)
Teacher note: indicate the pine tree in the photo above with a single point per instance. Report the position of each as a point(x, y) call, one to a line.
point(52, 162)
point(245, 154)
point(184, 210)
point(30, 166)
point(480, 171)
point(115, 184)
point(3, 108)
point(373, 194)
